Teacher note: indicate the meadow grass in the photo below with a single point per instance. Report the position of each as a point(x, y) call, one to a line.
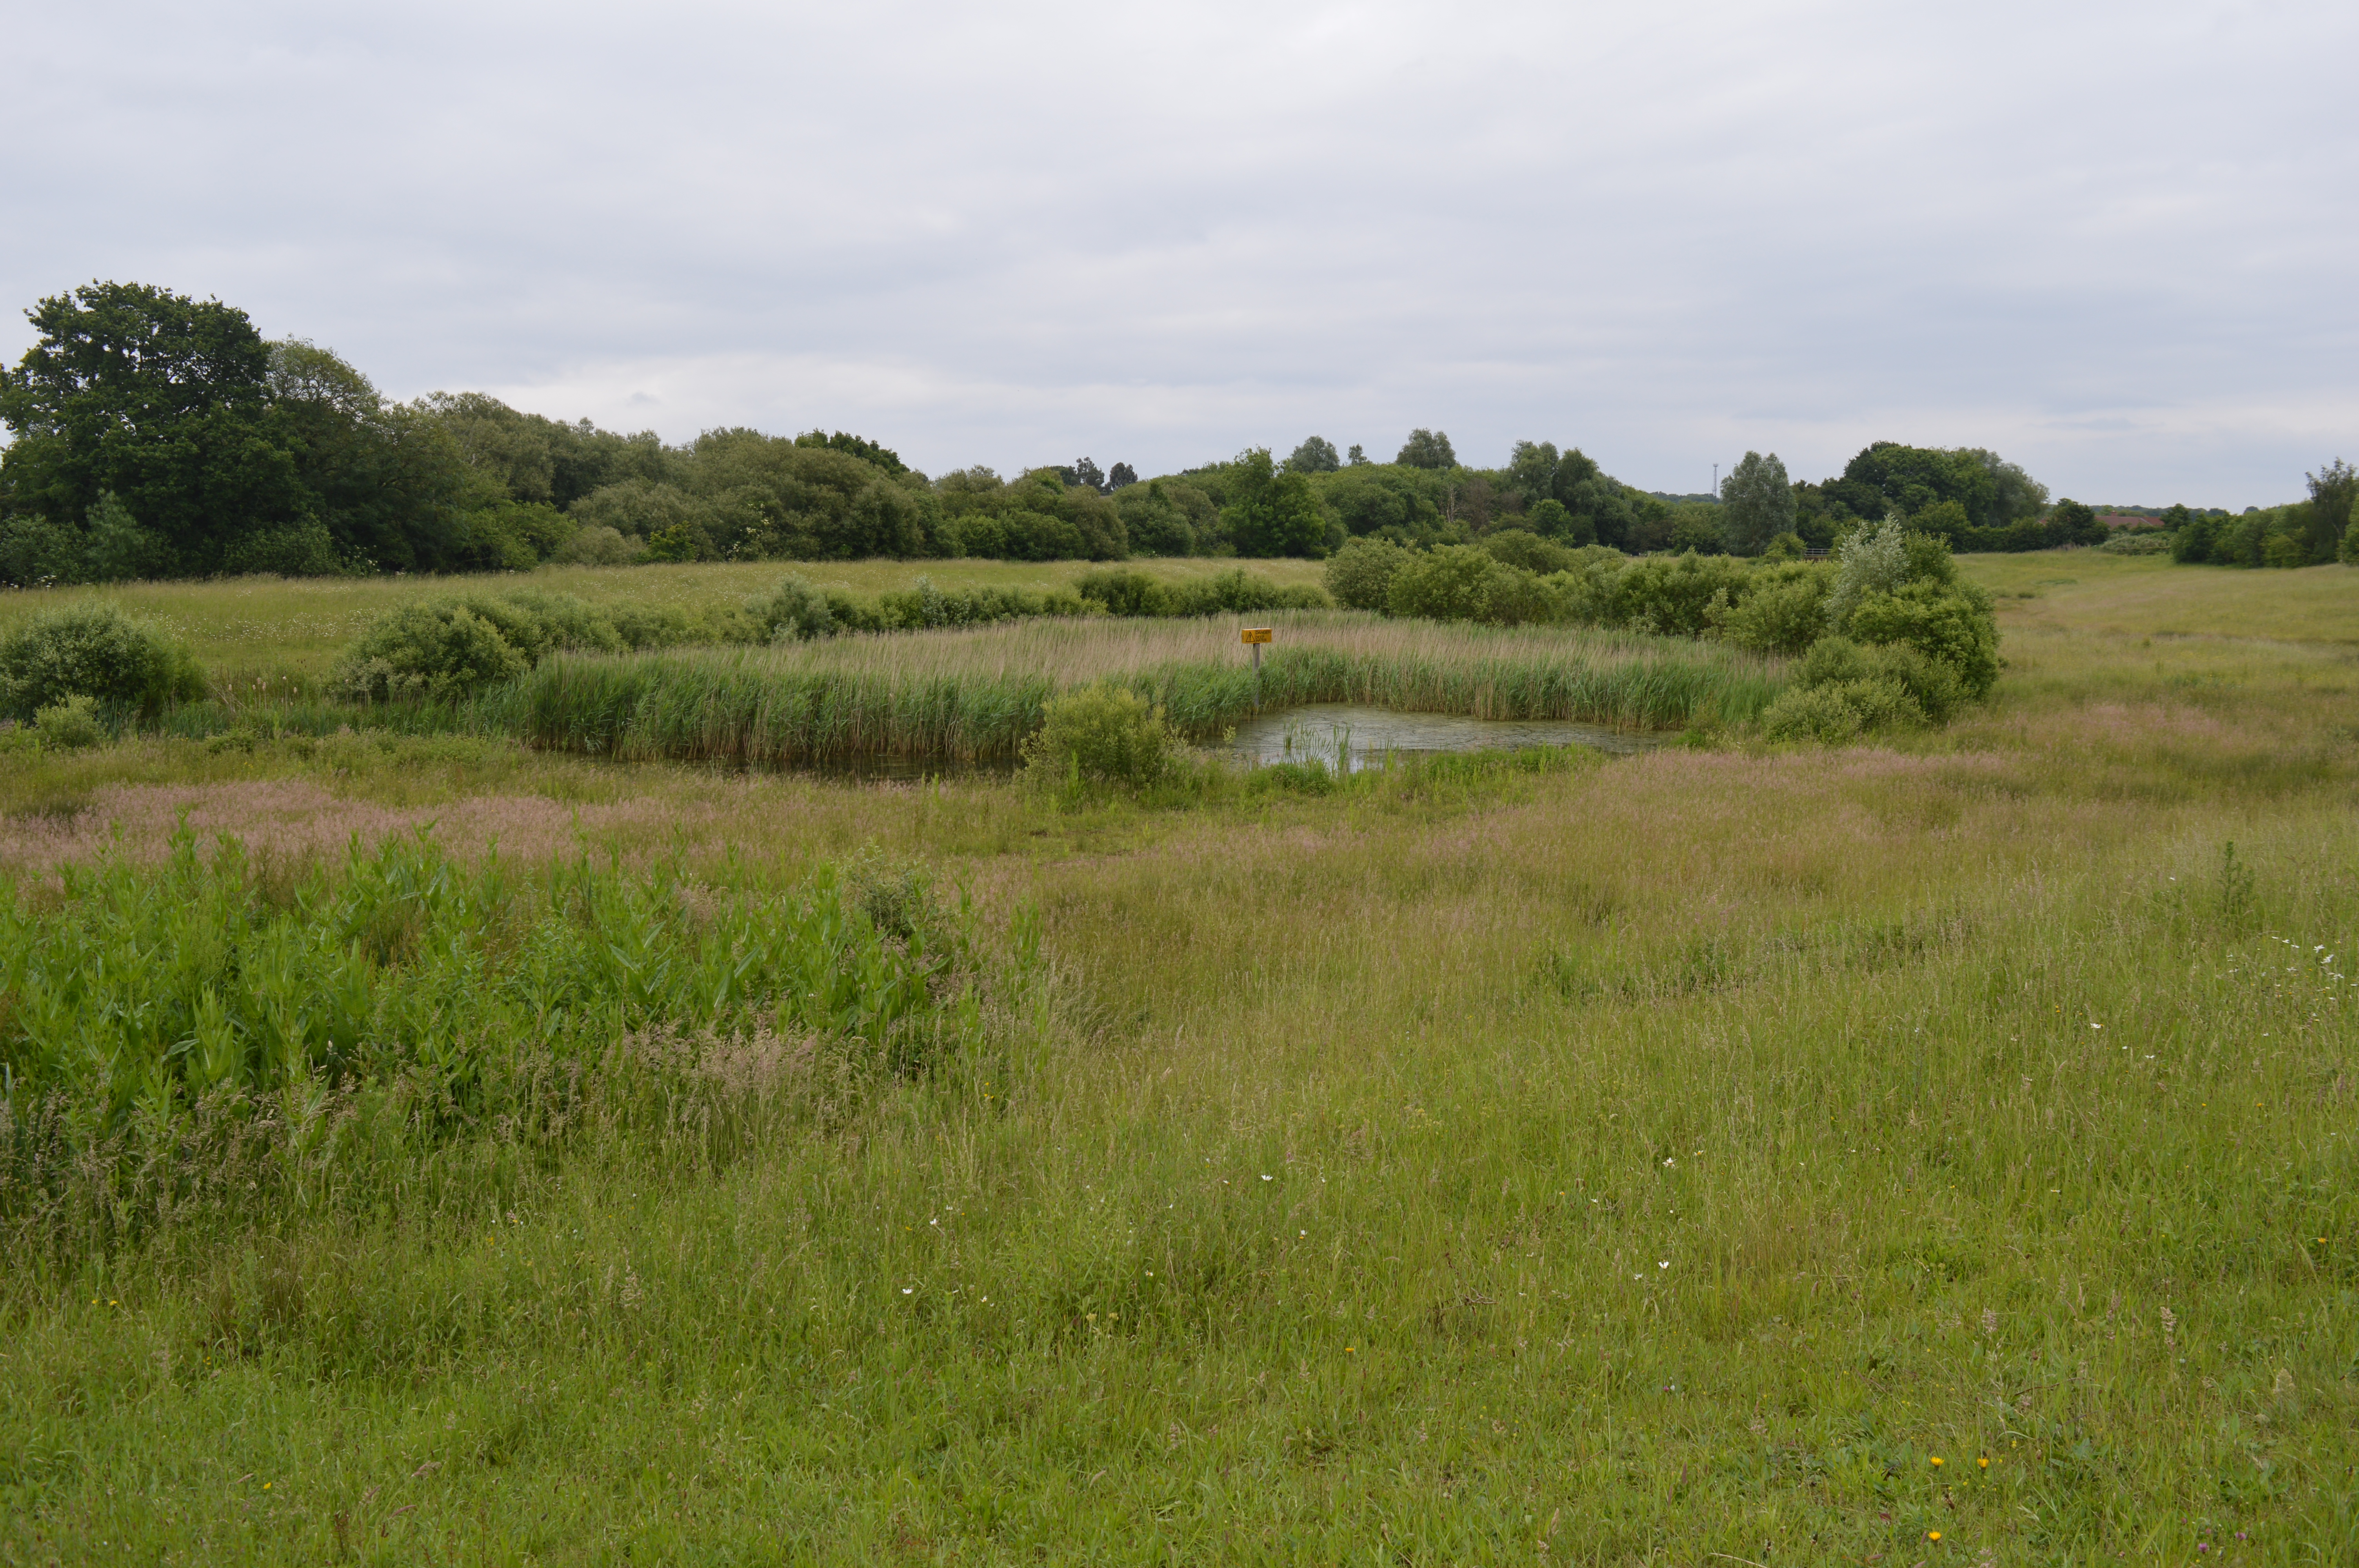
point(976, 694)
point(1654, 1160)
point(268, 638)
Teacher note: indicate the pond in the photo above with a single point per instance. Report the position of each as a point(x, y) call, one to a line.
point(1322, 731)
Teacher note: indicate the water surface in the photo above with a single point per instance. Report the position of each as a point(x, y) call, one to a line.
point(1323, 731)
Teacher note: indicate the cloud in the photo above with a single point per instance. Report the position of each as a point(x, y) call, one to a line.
point(2102, 239)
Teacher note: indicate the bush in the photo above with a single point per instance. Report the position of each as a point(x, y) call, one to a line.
point(92, 650)
point(597, 544)
point(1099, 734)
point(1811, 713)
point(1950, 623)
point(1360, 575)
point(924, 606)
point(2143, 542)
point(1934, 688)
point(1460, 582)
point(70, 726)
point(1236, 591)
point(1121, 592)
point(1783, 610)
point(434, 649)
point(794, 612)
point(1673, 595)
point(1519, 547)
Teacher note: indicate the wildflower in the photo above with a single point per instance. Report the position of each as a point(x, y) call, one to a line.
point(1932, 1535)
point(1936, 1460)
point(908, 1290)
point(1664, 1264)
point(1983, 1461)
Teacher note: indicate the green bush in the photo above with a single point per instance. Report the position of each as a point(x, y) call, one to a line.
point(795, 611)
point(1783, 609)
point(1099, 734)
point(70, 726)
point(93, 650)
point(1360, 575)
point(1461, 582)
point(1522, 547)
point(1119, 592)
point(434, 649)
point(1950, 623)
point(1672, 596)
point(1811, 713)
point(1238, 591)
point(1934, 688)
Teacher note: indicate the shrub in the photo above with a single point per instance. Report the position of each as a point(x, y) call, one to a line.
point(1872, 560)
point(652, 626)
point(1673, 595)
point(2143, 542)
point(1121, 592)
point(69, 725)
point(1360, 575)
point(1783, 610)
point(92, 650)
point(1100, 734)
point(1934, 688)
point(1520, 547)
point(436, 649)
point(1950, 623)
point(794, 612)
point(1460, 582)
point(1237, 589)
point(1811, 713)
point(597, 544)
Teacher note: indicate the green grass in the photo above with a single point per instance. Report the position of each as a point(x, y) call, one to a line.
point(267, 638)
point(975, 695)
point(1979, 1101)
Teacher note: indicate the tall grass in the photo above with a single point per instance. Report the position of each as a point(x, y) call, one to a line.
point(151, 1015)
point(975, 694)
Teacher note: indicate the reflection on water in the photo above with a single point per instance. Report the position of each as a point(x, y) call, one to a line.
point(1325, 732)
point(1319, 733)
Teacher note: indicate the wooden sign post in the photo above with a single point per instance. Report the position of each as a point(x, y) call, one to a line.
point(1254, 636)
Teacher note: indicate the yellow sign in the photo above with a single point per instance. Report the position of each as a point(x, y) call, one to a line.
point(1256, 633)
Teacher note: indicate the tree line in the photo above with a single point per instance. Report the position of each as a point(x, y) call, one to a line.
point(155, 436)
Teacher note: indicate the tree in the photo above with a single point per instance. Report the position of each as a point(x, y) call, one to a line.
point(1756, 504)
point(2073, 523)
point(2332, 492)
point(1357, 457)
point(1086, 472)
point(2016, 496)
point(1316, 455)
point(1121, 476)
point(1531, 469)
point(1272, 513)
point(1428, 450)
point(161, 399)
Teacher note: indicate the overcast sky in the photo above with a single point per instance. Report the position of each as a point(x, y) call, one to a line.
point(2117, 243)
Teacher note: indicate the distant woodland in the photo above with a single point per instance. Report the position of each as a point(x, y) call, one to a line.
point(156, 436)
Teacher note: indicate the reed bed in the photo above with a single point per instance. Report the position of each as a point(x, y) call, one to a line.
point(974, 693)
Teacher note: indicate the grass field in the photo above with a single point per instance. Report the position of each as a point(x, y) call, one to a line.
point(1693, 1157)
point(282, 635)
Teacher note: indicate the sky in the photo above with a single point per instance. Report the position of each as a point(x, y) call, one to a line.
point(2115, 243)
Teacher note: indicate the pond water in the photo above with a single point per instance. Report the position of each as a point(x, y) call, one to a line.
point(1312, 733)
point(1322, 731)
